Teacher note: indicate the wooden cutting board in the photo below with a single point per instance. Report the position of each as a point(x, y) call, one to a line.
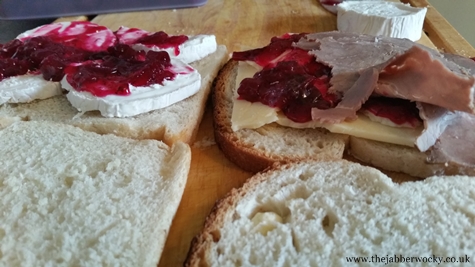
point(242, 25)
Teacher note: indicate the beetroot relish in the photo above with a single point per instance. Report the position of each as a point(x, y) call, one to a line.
point(291, 79)
point(398, 111)
point(120, 67)
point(163, 40)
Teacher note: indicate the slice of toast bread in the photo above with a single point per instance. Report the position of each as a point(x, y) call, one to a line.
point(70, 197)
point(256, 149)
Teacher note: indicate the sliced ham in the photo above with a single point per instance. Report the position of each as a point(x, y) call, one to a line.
point(353, 75)
point(442, 84)
point(418, 76)
point(436, 120)
point(449, 134)
point(455, 145)
point(350, 55)
point(355, 96)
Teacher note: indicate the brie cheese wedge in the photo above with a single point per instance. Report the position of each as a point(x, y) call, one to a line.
point(392, 19)
point(195, 48)
point(26, 88)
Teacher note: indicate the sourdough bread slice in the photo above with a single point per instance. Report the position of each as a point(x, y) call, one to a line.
point(402, 159)
point(178, 122)
point(256, 149)
point(69, 197)
point(324, 213)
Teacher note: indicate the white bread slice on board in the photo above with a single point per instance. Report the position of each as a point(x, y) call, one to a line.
point(69, 197)
point(402, 159)
point(178, 122)
point(256, 149)
point(329, 211)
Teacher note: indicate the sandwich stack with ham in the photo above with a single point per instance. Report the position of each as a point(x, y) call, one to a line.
point(405, 107)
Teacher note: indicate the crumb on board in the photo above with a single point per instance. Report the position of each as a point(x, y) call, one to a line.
point(207, 141)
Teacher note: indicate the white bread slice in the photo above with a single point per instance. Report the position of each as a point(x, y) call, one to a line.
point(402, 159)
point(74, 198)
point(255, 150)
point(321, 213)
point(178, 122)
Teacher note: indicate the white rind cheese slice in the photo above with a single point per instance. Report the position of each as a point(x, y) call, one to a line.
point(141, 99)
point(195, 48)
point(247, 115)
point(392, 19)
point(26, 88)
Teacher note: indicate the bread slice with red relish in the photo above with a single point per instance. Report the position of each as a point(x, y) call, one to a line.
point(178, 122)
point(257, 149)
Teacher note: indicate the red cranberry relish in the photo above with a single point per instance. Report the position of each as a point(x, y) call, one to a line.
point(163, 40)
point(122, 66)
point(398, 111)
point(39, 55)
point(291, 79)
point(80, 34)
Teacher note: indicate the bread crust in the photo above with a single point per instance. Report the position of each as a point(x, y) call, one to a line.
point(246, 154)
point(201, 243)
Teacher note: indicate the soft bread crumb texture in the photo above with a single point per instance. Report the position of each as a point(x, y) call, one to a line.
point(75, 198)
point(319, 213)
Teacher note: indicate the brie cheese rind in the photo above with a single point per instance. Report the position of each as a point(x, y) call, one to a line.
point(195, 48)
point(392, 19)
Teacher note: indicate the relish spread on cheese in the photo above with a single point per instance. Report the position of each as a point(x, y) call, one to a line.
point(121, 74)
point(124, 86)
point(185, 48)
point(31, 65)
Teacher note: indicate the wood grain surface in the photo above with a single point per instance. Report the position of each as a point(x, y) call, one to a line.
point(242, 25)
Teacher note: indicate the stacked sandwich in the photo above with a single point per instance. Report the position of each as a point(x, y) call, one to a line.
point(304, 100)
point(404, 107)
